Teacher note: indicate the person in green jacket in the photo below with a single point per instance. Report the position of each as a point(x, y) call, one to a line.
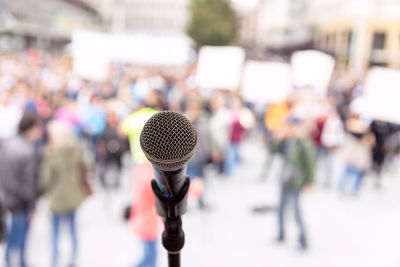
point(297, 173)
point(63, 181)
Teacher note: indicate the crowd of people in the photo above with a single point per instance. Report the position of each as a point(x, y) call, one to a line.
point(308, 132)
point(61, 133)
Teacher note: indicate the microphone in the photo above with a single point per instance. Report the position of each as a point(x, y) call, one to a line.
point(168, 140)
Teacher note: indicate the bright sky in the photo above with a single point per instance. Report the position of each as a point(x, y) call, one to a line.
point(249, 3)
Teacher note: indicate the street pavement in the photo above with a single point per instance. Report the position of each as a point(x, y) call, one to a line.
point(343, 231)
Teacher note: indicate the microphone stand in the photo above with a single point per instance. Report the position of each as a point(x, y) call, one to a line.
point(171, 209)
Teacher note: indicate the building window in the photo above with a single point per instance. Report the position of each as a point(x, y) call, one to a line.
point(378, 41)
point(326, 41)
point(332, 41)
point(349, 40)
point(320, 39)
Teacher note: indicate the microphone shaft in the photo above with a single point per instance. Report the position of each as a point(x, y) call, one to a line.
point(174, 259)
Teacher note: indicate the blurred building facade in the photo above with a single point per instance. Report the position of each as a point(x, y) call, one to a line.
point(170, 15)
point(284, 23)
point(25, 23)
point(277, 26)
point(248, 19)
point(359, 33)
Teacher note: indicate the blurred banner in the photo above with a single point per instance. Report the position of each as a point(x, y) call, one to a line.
point(220, 67)
point(381, 96)
point(266, 82)
point(312, 68)
point(92, 50)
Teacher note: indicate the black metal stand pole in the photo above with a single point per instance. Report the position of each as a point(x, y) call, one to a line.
point(174, 259)
point(171, 209)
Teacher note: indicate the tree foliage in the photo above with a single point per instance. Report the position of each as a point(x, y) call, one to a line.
point(213, 22)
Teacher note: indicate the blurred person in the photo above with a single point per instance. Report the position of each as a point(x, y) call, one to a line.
point(157, 81)
point(133, 124)
point(176, 97)
point(68, 112)
point(343, 101)
point(63, 180)
point(356, 155)
point(219, 129)
point(276, 115)
point(107, 91)
point(381, 131)
point(23, 97)
point(297, 172)
point(93, 118)
point(274, 119)
point(18, 184)
point(73, 86)
point(109, 150)
point(43, 107)
point(123, 92)
point(328, 136)
point(241, 120)
point(259, 114)
point(50, 75)
point(392, 146)
point(202, 154)
point(144, 220)
point(10, 116)
point(141, 86)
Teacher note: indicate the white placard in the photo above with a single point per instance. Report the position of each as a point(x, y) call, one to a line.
point(148, 48)
point(93, 51)
point(312, 68)
point(266, 82)
point(381, 95)
point(90, 61)
point(220, 67)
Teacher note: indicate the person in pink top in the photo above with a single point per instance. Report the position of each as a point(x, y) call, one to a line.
point(68, 113)
point(144, 219)
point(241, 120)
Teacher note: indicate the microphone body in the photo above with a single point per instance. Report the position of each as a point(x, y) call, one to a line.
point(170, 182)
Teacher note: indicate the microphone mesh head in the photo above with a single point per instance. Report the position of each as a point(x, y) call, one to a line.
point(168, 140)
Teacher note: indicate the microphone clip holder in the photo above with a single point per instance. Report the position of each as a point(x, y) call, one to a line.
point(171, 209)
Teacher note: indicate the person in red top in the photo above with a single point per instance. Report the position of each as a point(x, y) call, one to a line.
point(241, 120)
point(144, 220)
point(328, 137)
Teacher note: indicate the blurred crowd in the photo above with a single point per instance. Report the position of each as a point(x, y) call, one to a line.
point(60, 134)
point(65, 134)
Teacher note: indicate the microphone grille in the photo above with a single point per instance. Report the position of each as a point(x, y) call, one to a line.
point(168, 140)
